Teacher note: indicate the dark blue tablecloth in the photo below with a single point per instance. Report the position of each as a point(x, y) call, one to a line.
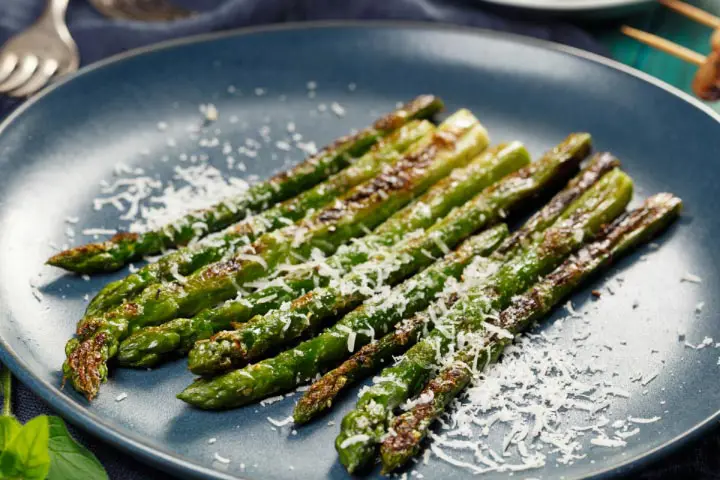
point(98, 37)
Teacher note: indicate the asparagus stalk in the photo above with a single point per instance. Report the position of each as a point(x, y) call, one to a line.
point(362, 429)
point(150, 345)
point(302, 363)
point(362, 363)
point(410, 428)
point(299, 364)
point(457, 140)
point(370, 357)
point(187, 260)
point(600, 164)
point(126, 247)
point(321, 230)
point(251, 340)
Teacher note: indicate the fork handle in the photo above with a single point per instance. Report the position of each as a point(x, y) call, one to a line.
point(54, 17)
point(54, 12)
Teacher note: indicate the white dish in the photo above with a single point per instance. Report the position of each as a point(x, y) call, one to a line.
point(576, 6)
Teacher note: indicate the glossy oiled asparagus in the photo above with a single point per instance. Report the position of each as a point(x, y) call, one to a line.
point(376, 317)
point(362, 428)
point(322, 392)
point(150, 345)
point(123, 248)
point(188, 259)
point(251, 340)
point(457, 140)
point(410, 428)
point(300, 364)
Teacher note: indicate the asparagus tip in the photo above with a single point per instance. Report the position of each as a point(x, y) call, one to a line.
point(318, 398)
point(302, 414)
point(94, 257)
point(188, 395)
point(85, 366)
point(391, 462)
point(66, 259)
point(197, 395)
point(352, 463)
point(395, 456)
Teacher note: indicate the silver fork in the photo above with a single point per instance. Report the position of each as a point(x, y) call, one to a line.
point(141, 10)
point(30, 59)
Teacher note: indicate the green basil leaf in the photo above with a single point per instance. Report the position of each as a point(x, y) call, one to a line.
point(9, 427)
point(26, 456)
point(68, 459)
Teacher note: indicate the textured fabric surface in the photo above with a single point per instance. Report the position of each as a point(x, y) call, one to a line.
point(98, 37)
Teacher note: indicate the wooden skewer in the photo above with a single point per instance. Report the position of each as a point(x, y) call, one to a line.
point(692, 12)
point(666, 46)
point(700, 16)
point(706, 83)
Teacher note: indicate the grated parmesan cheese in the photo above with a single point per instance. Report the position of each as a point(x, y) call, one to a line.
point(608, 442)
point(538, 405)
point(337, 109)
point(280, 423)
point(270, 400)
point(691, 278)
point(221, 459)
point(359, 438)
point(210, 111)
point(643, 420)
point(351, 341)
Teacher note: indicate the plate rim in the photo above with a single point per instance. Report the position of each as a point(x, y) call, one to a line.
point(569, 7)
point(174, 463)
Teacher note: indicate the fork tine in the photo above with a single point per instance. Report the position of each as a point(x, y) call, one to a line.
point(68, 67)
point(39, 79)
point(21, 74)
point(7, 65)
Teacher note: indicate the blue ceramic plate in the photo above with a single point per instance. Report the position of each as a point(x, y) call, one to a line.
point(57, 148)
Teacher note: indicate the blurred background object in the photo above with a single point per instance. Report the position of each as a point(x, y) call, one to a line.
point(141, 10)
point(105, 27)
point(706, 83)
point(671, 24)
point(30, 59)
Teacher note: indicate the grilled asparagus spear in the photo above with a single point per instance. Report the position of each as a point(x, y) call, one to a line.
point(410, 428)
point(363, 427)
point(189, 259)
point(370, 357)
point(299, 364)
point(457, 140)
point(251, 340)
point(150, 345)
point(126, 247)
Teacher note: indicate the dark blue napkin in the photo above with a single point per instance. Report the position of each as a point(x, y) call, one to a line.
point(98, 37)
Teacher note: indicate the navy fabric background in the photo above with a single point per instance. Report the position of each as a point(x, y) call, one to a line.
point(98, 37)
